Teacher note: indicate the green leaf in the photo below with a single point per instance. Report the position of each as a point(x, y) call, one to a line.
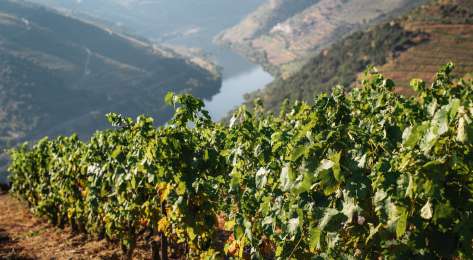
point(454, 107)
point(438, 127)
point(429, 139)
point(117, 152)
point(169, 98)
point(329, 184)
point(440, 120)
point(327, 179)
point(133, 182)
point(443, 211)
point(337, 172)
point(306, 184)
point(331, 220)
point(401, 223)
point(298, 153)
point(314, 243)
point(235, 180)
point(412, 135)
point(417, 84)
point(265, 206)
point(238, 232)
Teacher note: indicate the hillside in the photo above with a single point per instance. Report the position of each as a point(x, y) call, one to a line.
point(282, 38)
point(60, 75)
point(449, 30)
point(412, 46)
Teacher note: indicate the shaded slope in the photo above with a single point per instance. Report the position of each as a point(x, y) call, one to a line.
point(59, 74)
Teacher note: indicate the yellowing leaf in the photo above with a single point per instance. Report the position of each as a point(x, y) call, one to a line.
point(163, 224)
point(163, 190)
point(191, 233)
point(279, 251)
point(181, 188)
point(229, 224)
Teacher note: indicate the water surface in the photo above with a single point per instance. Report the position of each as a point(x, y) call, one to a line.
point(234, 88)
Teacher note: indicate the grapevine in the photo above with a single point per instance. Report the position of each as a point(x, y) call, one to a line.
point(364, 173)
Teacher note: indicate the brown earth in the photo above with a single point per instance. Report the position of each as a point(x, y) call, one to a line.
point(24, 236)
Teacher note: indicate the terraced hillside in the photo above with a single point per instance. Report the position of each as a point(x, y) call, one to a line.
point(60, 75)
point(411, 46)
point(284, 42)
point(449, 27)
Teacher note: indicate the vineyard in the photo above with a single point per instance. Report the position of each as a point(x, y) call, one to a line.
point(362, 174)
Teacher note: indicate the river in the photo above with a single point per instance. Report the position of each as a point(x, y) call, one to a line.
point(234, 88)
point(239, 78)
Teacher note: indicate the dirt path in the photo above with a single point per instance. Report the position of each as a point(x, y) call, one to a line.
point(23, 236)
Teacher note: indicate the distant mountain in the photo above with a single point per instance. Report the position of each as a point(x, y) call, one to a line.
point(192, 23)
point(60, 75)
point(282, 34)
point(414, 45)
point(174, 23)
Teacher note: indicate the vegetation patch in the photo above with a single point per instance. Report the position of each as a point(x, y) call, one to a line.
point(364, 173)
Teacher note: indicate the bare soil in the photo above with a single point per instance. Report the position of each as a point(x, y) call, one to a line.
point(24, 236)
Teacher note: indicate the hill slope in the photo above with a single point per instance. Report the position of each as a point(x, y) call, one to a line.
point(60, 75)
point(414, 45)
point(282, 41)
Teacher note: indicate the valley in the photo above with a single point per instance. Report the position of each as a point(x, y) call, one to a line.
point(222, 129)
point(186, 27)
